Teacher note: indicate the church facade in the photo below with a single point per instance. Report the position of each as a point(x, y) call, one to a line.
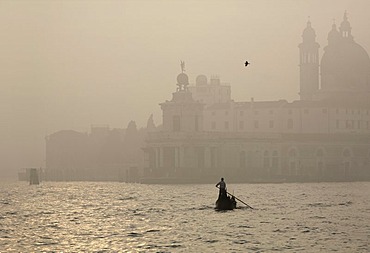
point(323, 136)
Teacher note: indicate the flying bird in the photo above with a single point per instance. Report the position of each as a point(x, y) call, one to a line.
point(247, 63)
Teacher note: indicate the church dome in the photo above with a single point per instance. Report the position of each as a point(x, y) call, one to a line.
point(309, 34)
point(345, 65)
point(334, 35)
point(201, 80)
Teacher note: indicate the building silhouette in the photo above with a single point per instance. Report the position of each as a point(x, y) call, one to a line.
point(324, 136)
point(104, 154)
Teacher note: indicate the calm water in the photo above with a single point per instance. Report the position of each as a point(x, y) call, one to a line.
point(111, 217)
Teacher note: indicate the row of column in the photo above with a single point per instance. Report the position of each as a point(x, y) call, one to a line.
point(184, 156)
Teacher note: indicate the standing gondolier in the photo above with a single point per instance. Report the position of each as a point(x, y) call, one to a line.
point(222, 188)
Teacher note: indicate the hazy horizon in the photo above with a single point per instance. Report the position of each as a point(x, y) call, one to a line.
point(71, 64)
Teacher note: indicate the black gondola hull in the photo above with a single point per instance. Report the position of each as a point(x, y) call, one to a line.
point(225, 203)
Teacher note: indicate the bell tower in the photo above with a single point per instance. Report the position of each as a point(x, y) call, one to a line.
point(345, 28)
point(309, 63)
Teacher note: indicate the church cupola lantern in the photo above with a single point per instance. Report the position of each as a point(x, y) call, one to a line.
point(345, 27)
point(334, 35)
point(309, 34)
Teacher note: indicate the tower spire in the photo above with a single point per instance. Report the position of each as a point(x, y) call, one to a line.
point(309, 63)
point(345, 27)
point(333, 35)
point(308, 33)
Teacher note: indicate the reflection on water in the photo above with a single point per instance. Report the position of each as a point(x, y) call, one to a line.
point(180, 218)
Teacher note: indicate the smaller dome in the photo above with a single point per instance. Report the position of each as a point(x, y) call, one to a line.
point(309, 33)
point(183, 79)
point(333, 35)
point(201, 80)
point(345, 25)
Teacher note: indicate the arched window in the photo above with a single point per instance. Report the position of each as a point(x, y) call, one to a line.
point(320, 166)
point(320, 162)
point(176, 123)
point(274, 163)
point(346, 161)
point(243, 162)
point(292, 153)
point(320, 153)
point(346, 153)
point(266, 160)
point(290, 124)
point(292, 162)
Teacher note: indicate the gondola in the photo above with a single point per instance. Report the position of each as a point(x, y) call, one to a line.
point(225, 202)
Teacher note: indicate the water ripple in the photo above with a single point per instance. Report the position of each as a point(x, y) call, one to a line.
point(116, 217)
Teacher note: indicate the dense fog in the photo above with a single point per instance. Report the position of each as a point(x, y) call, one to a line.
point(70, 65)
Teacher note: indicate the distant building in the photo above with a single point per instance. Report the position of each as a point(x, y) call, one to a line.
point(103, 155)
point(324, 136)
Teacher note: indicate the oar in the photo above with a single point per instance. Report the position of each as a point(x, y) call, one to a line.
point(238, 199)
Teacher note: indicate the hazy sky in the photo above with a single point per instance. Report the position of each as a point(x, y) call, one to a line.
point(70, 64)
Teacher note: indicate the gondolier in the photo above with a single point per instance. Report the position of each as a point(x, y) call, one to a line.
point(224, 202)
point(222, 186)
